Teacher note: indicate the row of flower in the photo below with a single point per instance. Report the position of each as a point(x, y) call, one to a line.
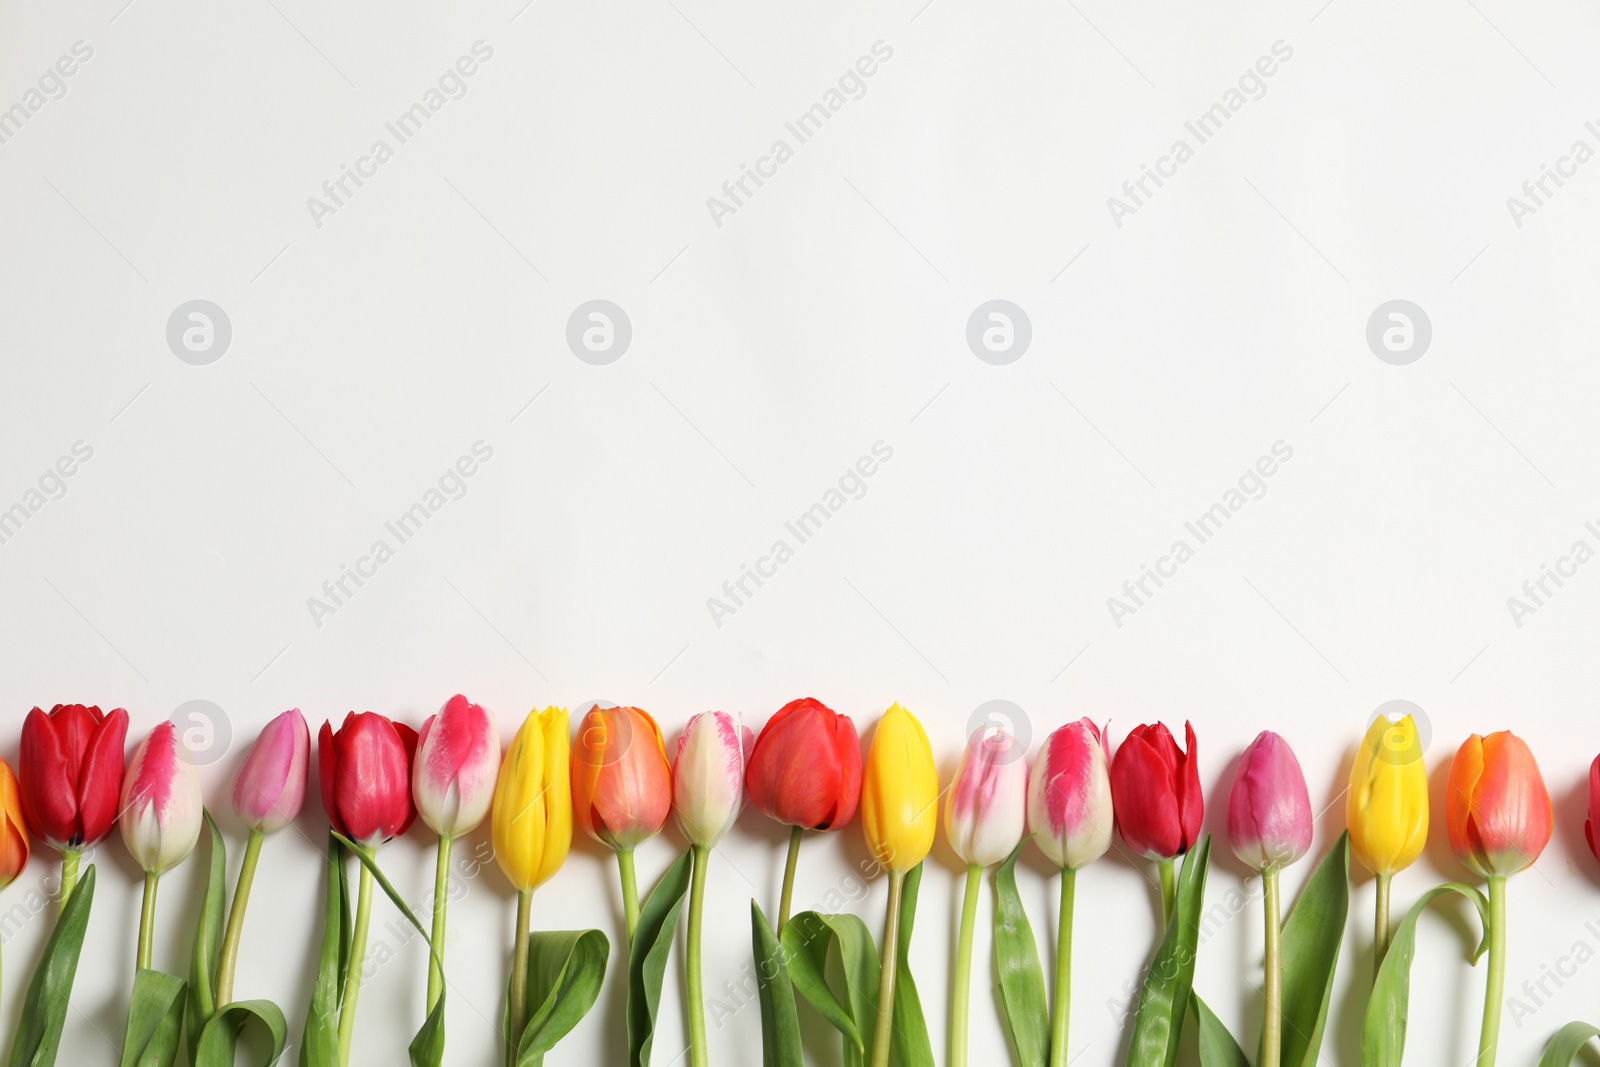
point(617, 783)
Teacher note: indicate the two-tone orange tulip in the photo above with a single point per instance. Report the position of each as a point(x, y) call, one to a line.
point(1498, 815)
point(13, 828)
point(621, 788)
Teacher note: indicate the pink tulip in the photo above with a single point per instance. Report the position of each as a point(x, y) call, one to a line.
point(1069, 796)
point(271, 784)
point(1269, 810)
point(986, 807)
point(708, 776)
point(456, 766)
point(161, 805)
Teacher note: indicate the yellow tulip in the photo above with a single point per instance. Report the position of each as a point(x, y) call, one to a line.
point(1387, 805)
point(532, 826)
point(899, 792)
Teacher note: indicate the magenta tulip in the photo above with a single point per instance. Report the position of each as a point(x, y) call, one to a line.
point(1269, 809)
point(271, 785)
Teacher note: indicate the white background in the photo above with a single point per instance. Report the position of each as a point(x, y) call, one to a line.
point(768, 353)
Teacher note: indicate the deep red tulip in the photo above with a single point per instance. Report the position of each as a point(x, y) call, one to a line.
point(805, 768)
point(1155, 789)
point(71, 773)
point(365, 772)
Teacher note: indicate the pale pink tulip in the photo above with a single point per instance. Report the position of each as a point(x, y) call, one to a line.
point(708, 776)
point(271, 784)
point(986, 807)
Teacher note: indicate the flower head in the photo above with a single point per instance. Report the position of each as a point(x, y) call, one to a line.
point(271, 784)
point(1155, 788)
point(899, 792)
point(1069, 796)
point(805, 767)
point(1496, 808)
point(365, 771)
point(1386, 806)
point(70, 773)
point(532, 821)
point(456, 766)
point(986, 806)
point(1269, 808)
point(708, 776)
point(161, 806)
point(621, 780)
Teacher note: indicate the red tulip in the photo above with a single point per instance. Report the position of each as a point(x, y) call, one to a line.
point(1155, 789)
point(71, 773)
point(1594, 806)
point(805, 768)
point(365, 771)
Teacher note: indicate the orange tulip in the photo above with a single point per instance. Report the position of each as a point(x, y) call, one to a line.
point(621, 780)
point(13, 830)
point(1497, 810)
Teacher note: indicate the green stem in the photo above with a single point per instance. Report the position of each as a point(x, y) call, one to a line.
point(358, 960)
point(229, 958)
point(962, 981)
point(1272, 1021)
point(788, 876)
point(886, 971)
point(147, 920)
point(519, 977)
point(630, 892)
point(1380, 924)
point(1063, 1004)
point(697, 1007)
point(441, 900)
point(69, 875)
point(1169, 890)
point(1494, 993)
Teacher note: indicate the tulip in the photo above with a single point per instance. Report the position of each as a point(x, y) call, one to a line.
point(985, 815)
point(805, 772)
point(70, 776)
point(161, 815)
point(1386, 810)
point(365, 773)
point(13, 828)
point(452, 782)
point(1155, 789)
point(1497, 812)
point(1588, 823)
point(1070, 813)
point(1269, 827)
point(899, 814)
point(532, 830)
point(621, 788)
point(268, 793)
point(707, 789)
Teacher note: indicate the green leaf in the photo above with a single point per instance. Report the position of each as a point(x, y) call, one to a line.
point(1569, 1040)
point(909, 1046)
point(810, 940)
point(780, 1021)
point(1383, 1035)
point(565, 970)
point(647, 960)
point(1018, 974)
point(427, 1047)
point(207, 940)
point(1311, 938)
point(1217, 1046)
point(319, 1045)
point(155, 1020)
point(44, 1008)
point(220, 1039)
point(1164, 999)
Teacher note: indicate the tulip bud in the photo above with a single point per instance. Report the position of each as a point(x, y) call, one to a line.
point(899, 792)
point(365, 772)
point(1069, 796)
point(13, 829)
point(271, 785)
point(1497, 810)
point(532, 822)
point(621, 780)
point(1594, 806)
point(161, 805)
point(708, 776)
point(1386, 806)
point(986, 807)
point(70, 773)
point(805, 767)
point(456, 766)
point(1269, 809)
point(1155, 790)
